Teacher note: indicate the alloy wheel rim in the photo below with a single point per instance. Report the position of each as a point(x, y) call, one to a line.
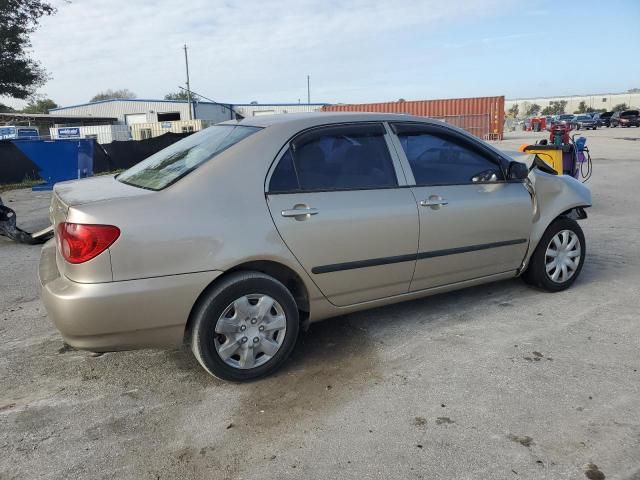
point(250, 331)
point(562, 257)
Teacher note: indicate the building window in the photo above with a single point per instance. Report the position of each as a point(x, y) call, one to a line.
point(168, 116)
point(604, 99)
point(187, 129)
point(145, 133)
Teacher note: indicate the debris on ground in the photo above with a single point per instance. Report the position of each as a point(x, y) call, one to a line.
point(9, 228)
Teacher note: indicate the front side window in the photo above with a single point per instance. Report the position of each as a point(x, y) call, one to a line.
point(169, 165)
point(440, 160)
point(343, 157)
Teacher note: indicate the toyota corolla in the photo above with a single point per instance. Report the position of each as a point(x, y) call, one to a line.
point(237, 237)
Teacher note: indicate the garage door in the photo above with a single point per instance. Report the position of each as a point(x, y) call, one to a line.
point(132, 118)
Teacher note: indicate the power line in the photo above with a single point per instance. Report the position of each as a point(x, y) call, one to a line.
point(212, 101)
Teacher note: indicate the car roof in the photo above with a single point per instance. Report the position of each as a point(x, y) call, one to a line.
point(323, 118)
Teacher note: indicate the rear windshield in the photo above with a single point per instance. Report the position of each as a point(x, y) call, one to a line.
point(606, 115)
point(171, 164)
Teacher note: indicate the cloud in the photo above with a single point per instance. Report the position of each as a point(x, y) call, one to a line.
point(494, 39)
point(239, 51)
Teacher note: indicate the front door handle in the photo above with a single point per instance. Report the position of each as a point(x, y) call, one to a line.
point(434, 201)
point(300, 212)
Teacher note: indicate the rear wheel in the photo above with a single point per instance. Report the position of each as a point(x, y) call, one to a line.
point(558, 258)
point(245, 327)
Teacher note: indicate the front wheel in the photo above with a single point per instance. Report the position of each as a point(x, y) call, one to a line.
point(245, 327)
point(558, 258)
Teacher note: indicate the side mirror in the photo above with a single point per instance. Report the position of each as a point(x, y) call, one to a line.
point(518, 171)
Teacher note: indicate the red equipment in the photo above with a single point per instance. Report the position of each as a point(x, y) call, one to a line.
point(538, 124)
point(559, 134)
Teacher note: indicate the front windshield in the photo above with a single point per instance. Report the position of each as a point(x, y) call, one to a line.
point(584, 117)
point(172, 163)
point(565, 117)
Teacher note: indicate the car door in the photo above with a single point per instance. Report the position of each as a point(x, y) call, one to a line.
point(473, 223)
point(339, 200)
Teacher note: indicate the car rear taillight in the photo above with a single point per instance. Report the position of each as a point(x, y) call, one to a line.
point(79, 243)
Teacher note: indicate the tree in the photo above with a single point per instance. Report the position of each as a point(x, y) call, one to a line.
point(5, 108)
point(113, 94)
point(633, 90)
point(39, 104)
point(513, 111)
point(582, 107)
point(20, 74)
point(621, 107)
point(532, 110)
point(555, 108)
point(181, 95)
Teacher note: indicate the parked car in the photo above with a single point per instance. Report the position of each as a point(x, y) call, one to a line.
point(628, 118)
point(585, 121)
point(240, 235)
point(566, 119)
point(605, 118)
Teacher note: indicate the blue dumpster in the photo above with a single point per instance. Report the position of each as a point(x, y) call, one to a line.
point(59, 160)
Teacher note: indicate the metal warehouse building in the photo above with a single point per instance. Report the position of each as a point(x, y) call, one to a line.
point(596, 100)
point(133, 111)
point(256, 109)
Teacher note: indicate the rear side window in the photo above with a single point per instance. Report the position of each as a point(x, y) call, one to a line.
point(440, 160)
point(343, 157)
point(284, 177)
point(171, 164)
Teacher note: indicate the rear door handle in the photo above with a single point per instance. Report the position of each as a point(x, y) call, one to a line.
point(434, 202)
point(300, 212)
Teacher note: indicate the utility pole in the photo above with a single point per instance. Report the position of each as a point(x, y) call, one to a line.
point(308, 92)
point(186, 64)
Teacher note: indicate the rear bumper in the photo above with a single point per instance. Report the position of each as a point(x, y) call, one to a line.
point(125, 315)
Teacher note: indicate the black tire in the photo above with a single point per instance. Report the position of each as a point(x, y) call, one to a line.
point(215, 302)
point(536, 273)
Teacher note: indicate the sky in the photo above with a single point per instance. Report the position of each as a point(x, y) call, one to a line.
point(354, 50)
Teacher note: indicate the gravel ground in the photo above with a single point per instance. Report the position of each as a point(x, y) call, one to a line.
point(495, 382)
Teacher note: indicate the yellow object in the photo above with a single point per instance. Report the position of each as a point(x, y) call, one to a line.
point(550, 154)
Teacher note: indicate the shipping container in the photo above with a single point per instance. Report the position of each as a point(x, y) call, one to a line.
point(102, 133)
point(481, 116)
point(142, 131)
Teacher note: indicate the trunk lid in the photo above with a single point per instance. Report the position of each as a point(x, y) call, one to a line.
point(95, 189)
